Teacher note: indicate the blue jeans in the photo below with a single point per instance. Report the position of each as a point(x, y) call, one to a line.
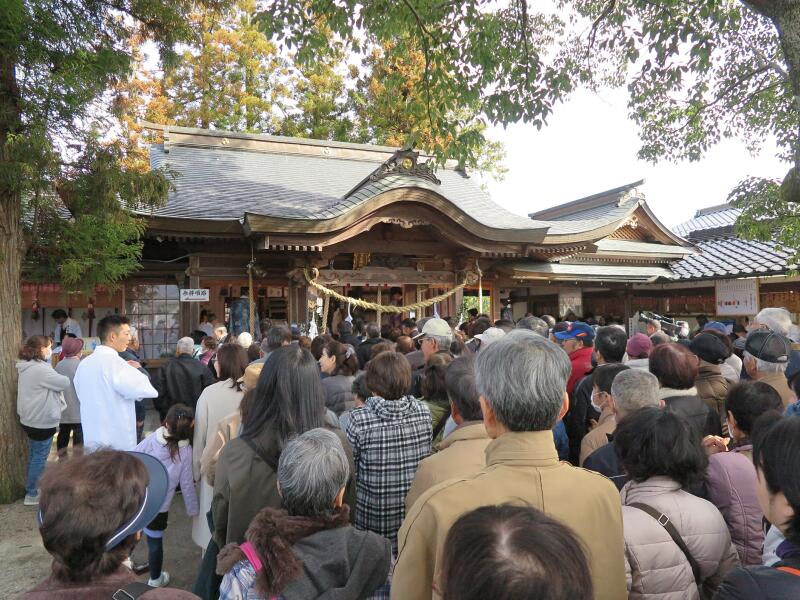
point(39, 451)
point(155, 556)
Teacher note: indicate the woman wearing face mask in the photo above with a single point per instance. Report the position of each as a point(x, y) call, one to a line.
point(40, 400)
point(776, 456)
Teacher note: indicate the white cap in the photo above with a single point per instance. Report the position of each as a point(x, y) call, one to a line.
point(438, 327)
point(490, 336)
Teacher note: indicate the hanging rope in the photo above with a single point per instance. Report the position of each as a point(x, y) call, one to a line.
point(325, 306)
point(378, 311)
point(480, 287)
point(251, 302)
point(389, 308)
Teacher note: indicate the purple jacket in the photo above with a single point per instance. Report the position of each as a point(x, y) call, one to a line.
point(179, 470)
point(731, 485)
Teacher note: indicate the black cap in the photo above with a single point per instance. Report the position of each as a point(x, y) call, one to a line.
point(710, 348)
point(768, 346)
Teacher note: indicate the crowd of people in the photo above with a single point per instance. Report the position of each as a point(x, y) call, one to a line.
point(425, 459)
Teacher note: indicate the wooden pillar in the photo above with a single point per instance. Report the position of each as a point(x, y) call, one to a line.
point(190, 311)
point(458, 299)
point(495, 300)
point(628, 302)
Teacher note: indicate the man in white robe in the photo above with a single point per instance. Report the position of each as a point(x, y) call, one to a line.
point(107, 387)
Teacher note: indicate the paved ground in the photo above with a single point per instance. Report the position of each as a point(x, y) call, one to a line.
point(25, 562)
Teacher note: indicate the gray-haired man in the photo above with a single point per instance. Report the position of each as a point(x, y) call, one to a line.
point(522, 381)
point(181, 379)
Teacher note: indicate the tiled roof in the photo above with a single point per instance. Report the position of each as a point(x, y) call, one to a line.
point(715, 217)
point(721, 253)
point(222, 184)
point(731, 257)
point(592, 207)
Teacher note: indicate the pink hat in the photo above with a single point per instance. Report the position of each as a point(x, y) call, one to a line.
point(72, 347)
point(639, 346)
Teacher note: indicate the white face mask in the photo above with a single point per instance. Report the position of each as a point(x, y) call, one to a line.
point(48, 354)
point(595, 405)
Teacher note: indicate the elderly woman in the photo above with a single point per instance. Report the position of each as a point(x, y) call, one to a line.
point(288, 401)
point(676, 369)
point(676, 544)
point(308, 549)
point(91, 514)
point(71, 417)
point(390, 434)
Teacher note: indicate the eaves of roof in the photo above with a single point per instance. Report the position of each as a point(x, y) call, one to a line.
point(610, 198)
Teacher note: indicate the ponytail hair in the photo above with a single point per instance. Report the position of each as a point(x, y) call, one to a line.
point(34, 348)
point(345, 355)
point(180, 427)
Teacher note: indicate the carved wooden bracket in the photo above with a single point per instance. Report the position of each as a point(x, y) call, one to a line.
point(406, 162)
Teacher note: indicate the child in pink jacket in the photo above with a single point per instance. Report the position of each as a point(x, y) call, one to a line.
point(170, 444)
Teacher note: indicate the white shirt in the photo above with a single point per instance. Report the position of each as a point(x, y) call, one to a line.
point(107, 387)
point(206, 328)
point(70, 326)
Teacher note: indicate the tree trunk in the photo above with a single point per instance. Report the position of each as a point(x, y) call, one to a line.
point(13, 447)
point(788, 24)
point(785, 14)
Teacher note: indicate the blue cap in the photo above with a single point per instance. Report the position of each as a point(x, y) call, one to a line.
point(793, 368)
point(716, 326)
point(154, 495)
point(578, 329)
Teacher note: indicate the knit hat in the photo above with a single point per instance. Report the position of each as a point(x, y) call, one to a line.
point(72, 347)
point(709, 348)
point(639, 346)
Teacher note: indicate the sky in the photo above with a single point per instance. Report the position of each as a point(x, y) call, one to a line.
point(589, 145)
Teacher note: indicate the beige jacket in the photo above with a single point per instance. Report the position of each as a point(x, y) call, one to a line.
point(227, 430)
point(462, 453)
point(778, 382)
point(520, 468)
point(655, 566)
point(598, 437)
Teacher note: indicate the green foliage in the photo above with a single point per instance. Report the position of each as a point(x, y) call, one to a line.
point(767, 213)
point(697, 72)
point(61, 171)
point(486, 62)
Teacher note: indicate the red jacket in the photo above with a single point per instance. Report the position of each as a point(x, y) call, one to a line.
point(581, 361)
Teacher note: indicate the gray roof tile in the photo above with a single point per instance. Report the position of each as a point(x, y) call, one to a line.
point(729, 256)
point(219, 183)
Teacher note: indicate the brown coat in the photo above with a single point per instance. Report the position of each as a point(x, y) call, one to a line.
point(520, 468)
point(598, 437)
point(245, 483)
point(778, 382)
point(712, 387)
point(103, 589)
point(462, 453)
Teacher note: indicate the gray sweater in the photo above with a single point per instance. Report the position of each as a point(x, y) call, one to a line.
point(67, 367)
point(40, 397)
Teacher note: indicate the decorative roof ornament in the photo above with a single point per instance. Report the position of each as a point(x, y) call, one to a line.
point(406, 162)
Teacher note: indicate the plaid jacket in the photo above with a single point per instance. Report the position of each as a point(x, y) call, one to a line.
point(389, 439)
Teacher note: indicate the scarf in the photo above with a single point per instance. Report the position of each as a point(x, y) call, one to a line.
point(665, 392)
point(270, 538)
